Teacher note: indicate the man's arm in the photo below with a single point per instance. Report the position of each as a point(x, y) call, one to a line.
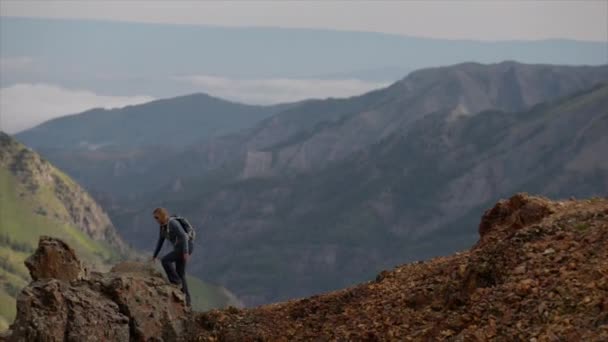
point(159, 244)
point(182, 237)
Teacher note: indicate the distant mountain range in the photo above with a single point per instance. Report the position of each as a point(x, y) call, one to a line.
point(172, 122)
point(130, 59)
point(321, 194)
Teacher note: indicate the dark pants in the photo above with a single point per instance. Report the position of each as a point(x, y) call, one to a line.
point(177, 274)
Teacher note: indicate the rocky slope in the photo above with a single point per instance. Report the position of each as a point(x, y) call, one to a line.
point(66, 302)
point(539, 272)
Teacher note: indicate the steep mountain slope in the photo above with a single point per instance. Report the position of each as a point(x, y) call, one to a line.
point(538, 273)
point(412, 196)
point(313, 134)
point(37, 199)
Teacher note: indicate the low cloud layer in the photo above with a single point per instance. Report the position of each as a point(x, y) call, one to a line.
point(277, 90)
point(23, 106)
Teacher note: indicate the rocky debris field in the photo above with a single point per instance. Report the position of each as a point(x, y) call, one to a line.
point(539, 272)
point(65, 302)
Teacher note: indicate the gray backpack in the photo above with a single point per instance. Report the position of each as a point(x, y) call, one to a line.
point(186, 226)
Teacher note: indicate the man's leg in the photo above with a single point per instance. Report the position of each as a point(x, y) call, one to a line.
point(167, 262)
point(180, 265)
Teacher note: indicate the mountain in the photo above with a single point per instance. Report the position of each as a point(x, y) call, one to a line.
point(328, 192)
point(412, 196)
point(311, 135)
point(104, 149)
point(170, 122)
point(299, 137)
point(37, 199)
point(538, 272)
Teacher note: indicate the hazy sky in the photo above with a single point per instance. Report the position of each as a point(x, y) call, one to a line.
point(479, 20)
point(117, 53)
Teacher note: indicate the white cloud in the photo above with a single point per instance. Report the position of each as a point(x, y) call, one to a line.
point(23, 106)
point(277, 90)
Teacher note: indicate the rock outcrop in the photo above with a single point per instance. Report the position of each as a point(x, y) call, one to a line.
point(515, 213)
point(54, 259)
point(132, 302)
point(539, 273)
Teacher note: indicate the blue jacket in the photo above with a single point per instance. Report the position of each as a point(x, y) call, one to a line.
point(173, 232)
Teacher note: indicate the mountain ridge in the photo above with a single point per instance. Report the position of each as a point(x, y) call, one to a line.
point(172, 118)
point(537, 272)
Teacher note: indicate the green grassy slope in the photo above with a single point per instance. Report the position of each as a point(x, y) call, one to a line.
point(30, 206)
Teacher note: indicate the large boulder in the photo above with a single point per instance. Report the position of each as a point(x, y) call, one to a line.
point(132, 302)
point(513, 214)
point(54, 259)
point(156, 309)
point(53, 310)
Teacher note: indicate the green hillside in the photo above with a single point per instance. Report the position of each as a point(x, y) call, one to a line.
point(37, 199)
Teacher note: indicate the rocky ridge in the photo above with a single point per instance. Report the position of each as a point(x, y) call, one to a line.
point(65, 302)
point(539, 272)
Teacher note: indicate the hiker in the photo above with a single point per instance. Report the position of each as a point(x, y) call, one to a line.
point(172, 229)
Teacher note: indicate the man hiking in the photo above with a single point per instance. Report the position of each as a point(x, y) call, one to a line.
point(173, 230)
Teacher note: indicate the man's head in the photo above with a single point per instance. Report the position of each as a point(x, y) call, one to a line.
point(161, 215)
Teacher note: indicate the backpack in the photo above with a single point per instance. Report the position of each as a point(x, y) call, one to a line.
point(186, 226)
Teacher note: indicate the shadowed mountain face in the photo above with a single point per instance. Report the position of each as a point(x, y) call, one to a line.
point(327, 193)
point(412, 196)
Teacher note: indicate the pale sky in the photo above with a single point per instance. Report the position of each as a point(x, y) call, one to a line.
point(108, 58)
point(478, 20)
